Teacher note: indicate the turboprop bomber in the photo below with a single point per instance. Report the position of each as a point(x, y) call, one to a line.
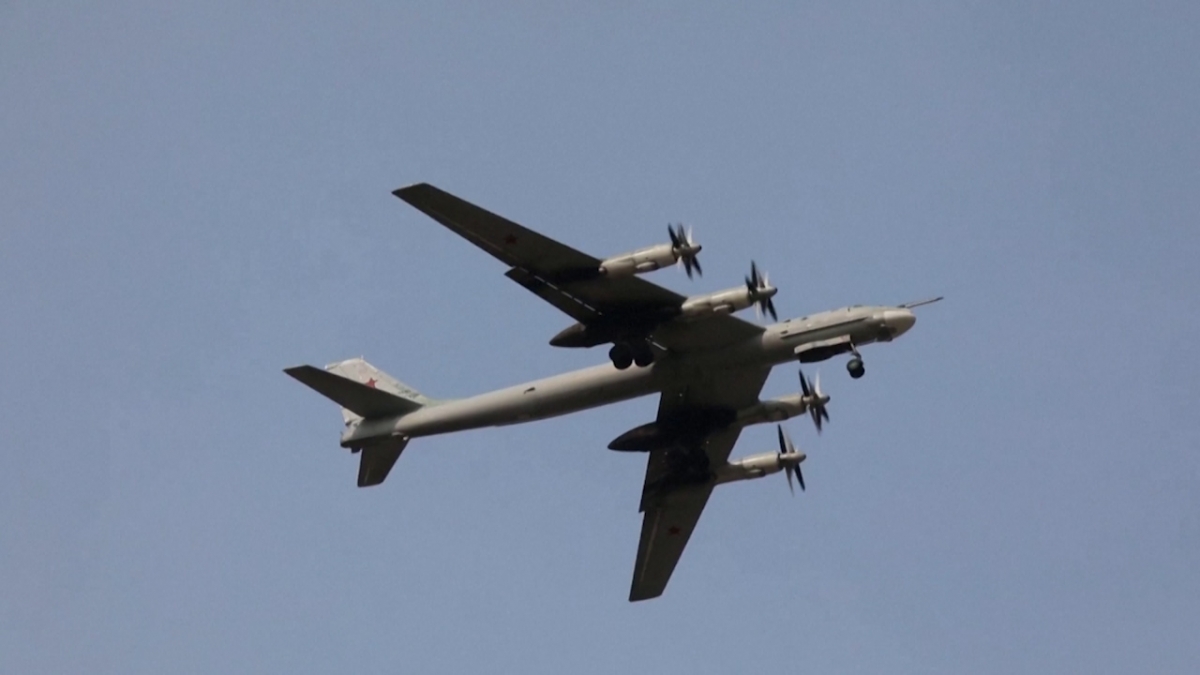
point(706, 364)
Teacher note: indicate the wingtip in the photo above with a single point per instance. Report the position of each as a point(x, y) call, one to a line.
point(635, 597)
point(401, 192)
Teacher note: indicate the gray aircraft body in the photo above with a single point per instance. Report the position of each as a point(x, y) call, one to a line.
point(707, 365)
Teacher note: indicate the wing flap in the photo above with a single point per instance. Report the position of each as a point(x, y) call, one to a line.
point(564, 302)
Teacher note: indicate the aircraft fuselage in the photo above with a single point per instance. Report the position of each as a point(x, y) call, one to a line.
point(843, 330)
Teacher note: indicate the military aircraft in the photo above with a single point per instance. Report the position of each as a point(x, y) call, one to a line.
point(706, 364)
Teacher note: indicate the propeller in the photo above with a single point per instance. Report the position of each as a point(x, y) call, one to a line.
point(761, 292)
point(790, 458)
point(685, 248)
point(815, 399)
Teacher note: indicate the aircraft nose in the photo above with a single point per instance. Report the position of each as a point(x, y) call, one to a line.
point(899, 321)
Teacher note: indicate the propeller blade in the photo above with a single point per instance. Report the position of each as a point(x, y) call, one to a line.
point(816, 400)
point(787, 453)
point(785, 441)
point(685, 249)
point(820, 395)
point(760, 292)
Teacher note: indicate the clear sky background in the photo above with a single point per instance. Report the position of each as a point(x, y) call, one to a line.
point(197, 196)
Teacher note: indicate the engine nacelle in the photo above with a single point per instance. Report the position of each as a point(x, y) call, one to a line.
point(721, 302)
point(640, 261)
point(774, 410)
point(755, 466)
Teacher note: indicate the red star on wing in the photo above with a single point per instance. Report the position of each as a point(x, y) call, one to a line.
point(371, 383)
point(674, 529)
point(509, 239)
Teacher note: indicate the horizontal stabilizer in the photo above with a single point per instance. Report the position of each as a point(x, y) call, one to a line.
point(361, 399)
point(377, 461)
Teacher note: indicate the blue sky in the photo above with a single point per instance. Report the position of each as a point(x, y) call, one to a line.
point(196, 196)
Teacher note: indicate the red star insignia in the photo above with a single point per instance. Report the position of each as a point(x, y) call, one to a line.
point(673, 530)
point(510, 239)
point(371, 382)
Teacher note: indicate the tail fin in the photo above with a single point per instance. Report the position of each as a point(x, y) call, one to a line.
point(364, 391)
point(361, 389)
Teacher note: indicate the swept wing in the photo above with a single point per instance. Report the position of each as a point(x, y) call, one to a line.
point(678, 480)
point(569, 279)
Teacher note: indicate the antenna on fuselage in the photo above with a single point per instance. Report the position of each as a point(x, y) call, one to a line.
point(919, 303)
